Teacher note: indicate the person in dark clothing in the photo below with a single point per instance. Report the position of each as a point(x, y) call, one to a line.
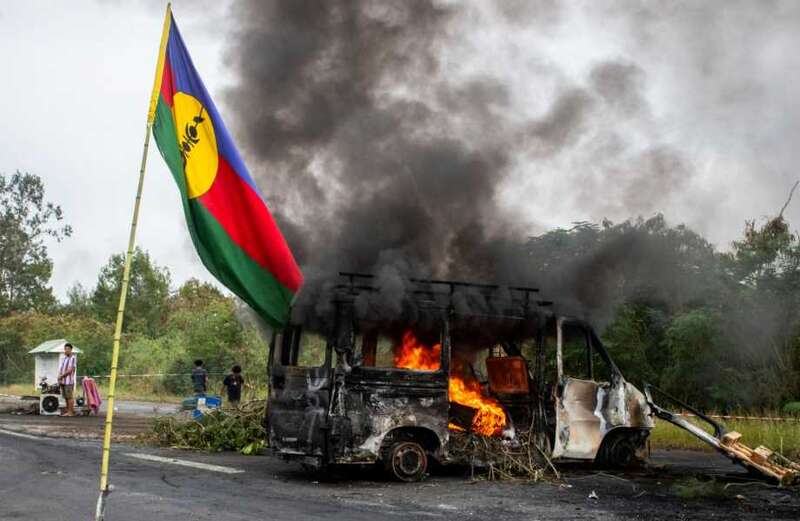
point(233, 383)
point(199, 378)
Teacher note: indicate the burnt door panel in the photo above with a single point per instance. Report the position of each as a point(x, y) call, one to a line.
point(578, 428)
point(299, 398)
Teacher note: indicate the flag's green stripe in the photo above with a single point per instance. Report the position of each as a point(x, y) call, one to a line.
point(164, 132)
point(223, 258)
point(235, 269)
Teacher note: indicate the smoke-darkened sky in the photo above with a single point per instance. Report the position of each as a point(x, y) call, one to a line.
point(464, 121)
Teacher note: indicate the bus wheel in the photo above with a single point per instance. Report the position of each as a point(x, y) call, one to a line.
point(406, 461)
point(619, 453)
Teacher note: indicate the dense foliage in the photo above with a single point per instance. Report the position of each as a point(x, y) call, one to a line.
point(197, 322)
point(719, 329)
point(148, 291)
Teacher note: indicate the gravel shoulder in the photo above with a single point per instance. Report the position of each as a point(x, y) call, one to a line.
point(131, 419)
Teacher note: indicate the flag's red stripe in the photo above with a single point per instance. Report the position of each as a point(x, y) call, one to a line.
point(167, 87)
point(246, 219)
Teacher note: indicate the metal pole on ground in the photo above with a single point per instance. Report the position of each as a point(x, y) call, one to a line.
point(104, 487)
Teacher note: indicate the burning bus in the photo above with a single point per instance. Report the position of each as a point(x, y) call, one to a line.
point(372, 388)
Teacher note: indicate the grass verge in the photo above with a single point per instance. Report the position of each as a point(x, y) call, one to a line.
point(780, 436)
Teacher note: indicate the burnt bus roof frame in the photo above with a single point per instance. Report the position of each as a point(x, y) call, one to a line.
point(451, 283)
point(596, 345)
point(486, 290)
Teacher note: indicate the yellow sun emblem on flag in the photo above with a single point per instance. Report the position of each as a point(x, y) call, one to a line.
point(197, 143)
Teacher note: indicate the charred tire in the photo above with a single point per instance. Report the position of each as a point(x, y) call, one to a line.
point(619, 452)
point(406, 461)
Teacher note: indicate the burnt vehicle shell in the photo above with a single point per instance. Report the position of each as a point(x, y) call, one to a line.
point(607, 421)
point(351, 412)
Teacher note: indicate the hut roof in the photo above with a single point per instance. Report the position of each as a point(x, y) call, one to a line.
point(54, 346)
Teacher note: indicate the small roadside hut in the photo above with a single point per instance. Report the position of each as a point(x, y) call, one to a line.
point(48, 359)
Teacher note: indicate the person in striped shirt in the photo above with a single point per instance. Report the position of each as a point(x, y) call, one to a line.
point(66, 378)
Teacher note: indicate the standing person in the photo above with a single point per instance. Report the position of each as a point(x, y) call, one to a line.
point(233, 383)
point(66, 379)
point(199, 378)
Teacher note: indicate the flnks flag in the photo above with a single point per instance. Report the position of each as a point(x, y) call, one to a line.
point(231, 227)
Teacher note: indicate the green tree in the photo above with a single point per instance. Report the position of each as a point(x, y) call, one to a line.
point(26, 221)
point(635, 337)
point(194, 294)
point(766, 266)
point(79, 301)
point(148, 292)
point(212, 333)
point(696, 357)
point(592, 269)
point(201, 323)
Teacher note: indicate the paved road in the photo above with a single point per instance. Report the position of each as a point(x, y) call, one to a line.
point(56, 479)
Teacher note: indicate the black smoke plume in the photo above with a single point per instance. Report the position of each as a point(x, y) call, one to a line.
point(377, 158)
point(359, 130)
point(380, 153)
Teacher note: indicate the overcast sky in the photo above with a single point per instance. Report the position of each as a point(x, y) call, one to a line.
point(700, 96)
point(77, 77)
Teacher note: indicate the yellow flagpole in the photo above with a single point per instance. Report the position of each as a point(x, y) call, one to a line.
point(104, 489)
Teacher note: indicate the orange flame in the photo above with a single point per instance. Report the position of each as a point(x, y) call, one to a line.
point(412, 354)
point(463, 388)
